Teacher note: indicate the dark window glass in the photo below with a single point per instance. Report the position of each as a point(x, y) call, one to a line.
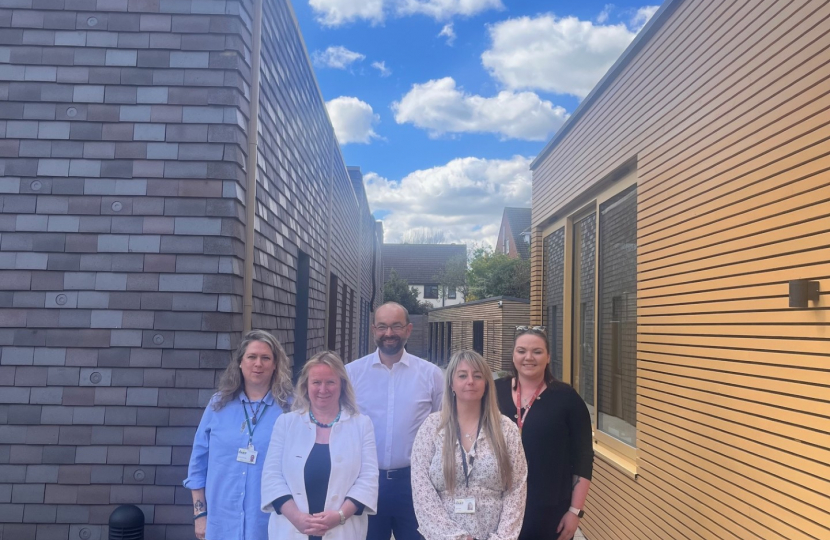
point(617, 344)
point(554, 292)
point(478, 337)
point(431, 292)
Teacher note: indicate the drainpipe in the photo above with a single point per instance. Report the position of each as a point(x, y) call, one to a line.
point(251, 166)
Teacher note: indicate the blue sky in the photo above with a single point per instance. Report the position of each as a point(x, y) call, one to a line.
point(444, 103)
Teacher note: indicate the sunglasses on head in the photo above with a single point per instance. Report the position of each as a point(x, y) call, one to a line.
point(529, 328)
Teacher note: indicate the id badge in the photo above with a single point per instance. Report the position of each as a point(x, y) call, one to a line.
point(465, 506)
point(246, 455)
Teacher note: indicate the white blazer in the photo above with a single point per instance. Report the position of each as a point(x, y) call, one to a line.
point(354, 472)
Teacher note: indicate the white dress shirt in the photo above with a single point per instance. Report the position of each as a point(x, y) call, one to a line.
point(398, 400)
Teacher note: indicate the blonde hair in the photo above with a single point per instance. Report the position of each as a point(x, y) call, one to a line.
point(333, 361)
point(231, 382)
point(490, 420)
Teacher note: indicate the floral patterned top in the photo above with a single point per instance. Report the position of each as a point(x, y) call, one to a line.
point(498, 513)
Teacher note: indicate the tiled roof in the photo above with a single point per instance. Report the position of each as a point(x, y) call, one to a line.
point(419, 263)
point(519, 220)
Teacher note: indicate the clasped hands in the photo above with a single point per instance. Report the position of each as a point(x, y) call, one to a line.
point(315, 524)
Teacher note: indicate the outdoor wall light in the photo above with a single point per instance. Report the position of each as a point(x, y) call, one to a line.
point(803, 291)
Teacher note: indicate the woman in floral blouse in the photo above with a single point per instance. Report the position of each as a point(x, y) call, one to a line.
point(469, 474)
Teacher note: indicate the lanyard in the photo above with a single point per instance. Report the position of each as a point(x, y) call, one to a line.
point(464, 454)
point(520, 418)
point(251, 427)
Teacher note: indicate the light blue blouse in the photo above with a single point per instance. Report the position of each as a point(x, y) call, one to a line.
point(232, 488)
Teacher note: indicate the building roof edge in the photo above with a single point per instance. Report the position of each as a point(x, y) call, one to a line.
point(642, 37)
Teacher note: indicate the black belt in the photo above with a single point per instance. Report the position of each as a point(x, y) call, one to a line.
point(396, 474)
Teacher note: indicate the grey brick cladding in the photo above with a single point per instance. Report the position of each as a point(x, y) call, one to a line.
point(123, 131)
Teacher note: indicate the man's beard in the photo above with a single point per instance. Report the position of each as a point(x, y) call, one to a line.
point(390, 346)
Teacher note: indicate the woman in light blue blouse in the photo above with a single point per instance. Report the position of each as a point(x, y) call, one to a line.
point(231, 443)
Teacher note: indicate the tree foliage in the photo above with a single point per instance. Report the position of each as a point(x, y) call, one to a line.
point(424, 235)
point(453, 276)
point(495, 274)
point(397, 289)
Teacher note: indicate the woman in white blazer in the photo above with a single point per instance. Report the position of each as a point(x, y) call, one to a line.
point(320, 478)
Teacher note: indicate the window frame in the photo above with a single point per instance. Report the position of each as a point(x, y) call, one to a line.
point(621, 455)
point(428, 286)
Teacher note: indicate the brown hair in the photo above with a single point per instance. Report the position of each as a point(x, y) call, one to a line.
point(538, 332)
point(490, 420)
point(333, 361)
point(231, 382)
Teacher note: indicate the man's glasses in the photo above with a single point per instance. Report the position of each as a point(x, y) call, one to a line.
point(397, 328)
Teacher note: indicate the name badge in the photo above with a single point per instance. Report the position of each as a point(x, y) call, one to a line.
point(465, 506)
point(246, 455)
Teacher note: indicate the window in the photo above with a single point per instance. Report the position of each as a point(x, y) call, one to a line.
point(301, 314)
point(505, 243)
point(451, 293)
point(617, 344)
point(332, 314)
point(431, 292)
point(590, 310)
point(478, 337)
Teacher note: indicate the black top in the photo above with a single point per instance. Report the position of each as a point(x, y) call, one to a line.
point(557, 441)
point(317, 472)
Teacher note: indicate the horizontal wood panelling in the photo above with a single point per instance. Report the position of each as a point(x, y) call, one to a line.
point(747, 490)
point(726, 111)
point(745, 123)
point(499, 326)
point(759, 343)
point(747, 229)
point(626, 108)
point(807, 262)
point(805, 473)
point(806, 172)
point(766, 417)
point(749, 357)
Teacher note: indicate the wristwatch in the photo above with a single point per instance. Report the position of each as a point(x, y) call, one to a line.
point(342, 517)
point(576, 511)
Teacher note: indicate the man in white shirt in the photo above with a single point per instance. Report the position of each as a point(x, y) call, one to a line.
point(397, 391)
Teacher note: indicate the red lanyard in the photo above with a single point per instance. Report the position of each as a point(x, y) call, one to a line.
point(520, 418)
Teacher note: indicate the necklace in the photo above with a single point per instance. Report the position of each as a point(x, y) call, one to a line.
point(322, 425)
point(254, 412)
point(520, 417)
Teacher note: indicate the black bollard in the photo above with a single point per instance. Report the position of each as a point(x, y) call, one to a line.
point(127, 523)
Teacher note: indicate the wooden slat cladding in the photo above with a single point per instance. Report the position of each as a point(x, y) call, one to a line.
point(725, 108)
point(499, 326)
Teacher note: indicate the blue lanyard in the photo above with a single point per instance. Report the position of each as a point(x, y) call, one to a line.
point(248, 422)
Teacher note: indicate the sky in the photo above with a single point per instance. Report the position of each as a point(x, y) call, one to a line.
point(443, 104)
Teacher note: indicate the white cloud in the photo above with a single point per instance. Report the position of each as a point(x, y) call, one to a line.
point(353, 120)
point(643, 15)
point(440, 107)
point(602, 18)
point(446, 9)
point(337, 57)
point(463, 198)
point(381, 67)
point(448, 33)
point(339, 12)
point(562, 55)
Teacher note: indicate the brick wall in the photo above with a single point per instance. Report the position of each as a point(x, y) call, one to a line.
point(122, 188)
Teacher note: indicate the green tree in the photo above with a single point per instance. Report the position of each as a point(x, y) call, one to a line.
point(495, 274)
point(397, 289)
